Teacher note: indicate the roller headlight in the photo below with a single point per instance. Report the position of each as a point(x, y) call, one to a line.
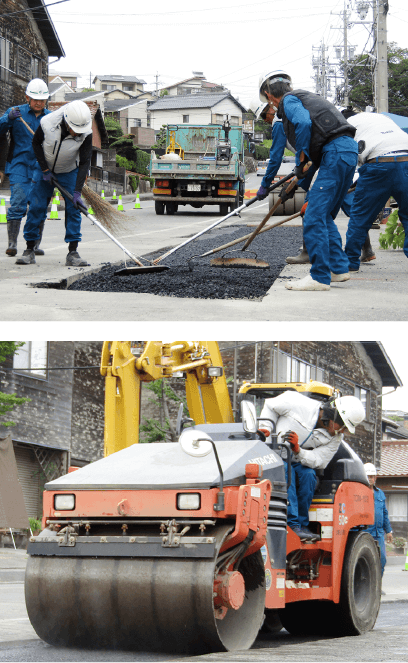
point(64, 502)
point(188, 501)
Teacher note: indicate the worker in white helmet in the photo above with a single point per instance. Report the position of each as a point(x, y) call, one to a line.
point(314, 430)
point(321, 135)
point(63, 147)
point(16, 152)
point(382, 523)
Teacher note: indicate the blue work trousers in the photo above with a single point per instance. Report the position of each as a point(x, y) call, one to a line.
point(19, 200)
point(40, 196)
point(376, 183)
point(381, 542)
point(300, 494)
point(320, 233)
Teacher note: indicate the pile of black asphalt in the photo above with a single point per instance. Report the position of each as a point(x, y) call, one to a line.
point(196, 278)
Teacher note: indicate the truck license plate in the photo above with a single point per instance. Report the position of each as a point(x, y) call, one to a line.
point(193, 187)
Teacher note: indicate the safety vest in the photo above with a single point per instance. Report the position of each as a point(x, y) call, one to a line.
point(62, 156)
point(327, 122)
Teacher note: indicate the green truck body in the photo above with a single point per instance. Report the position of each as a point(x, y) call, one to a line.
point(205, 169)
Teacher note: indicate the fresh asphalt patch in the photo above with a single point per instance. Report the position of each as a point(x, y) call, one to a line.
point(193, 277)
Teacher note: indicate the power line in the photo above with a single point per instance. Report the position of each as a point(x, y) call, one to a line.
point(33, 9)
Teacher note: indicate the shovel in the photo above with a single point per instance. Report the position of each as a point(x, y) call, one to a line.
point(224, 218)
point(141, 269)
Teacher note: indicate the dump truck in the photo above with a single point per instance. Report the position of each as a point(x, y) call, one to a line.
point(184, 546)
point(203, 165)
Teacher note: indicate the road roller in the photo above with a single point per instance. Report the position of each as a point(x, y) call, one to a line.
point(184, 547)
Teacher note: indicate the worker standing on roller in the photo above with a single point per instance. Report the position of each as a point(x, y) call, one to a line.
point(382, 523)
point(313, 428)
point(383, 155)
point(63, 147)
point(20, 160)
point(320, 134)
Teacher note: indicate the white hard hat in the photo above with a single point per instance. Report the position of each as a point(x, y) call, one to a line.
point(370, 469)
point(271, 77)
point(78, 116)
point(37, 89)
point(257, 107)
point(351, 410)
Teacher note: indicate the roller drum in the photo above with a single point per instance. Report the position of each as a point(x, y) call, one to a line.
point(160, 604)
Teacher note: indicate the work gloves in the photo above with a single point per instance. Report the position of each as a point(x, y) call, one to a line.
point(287, 195)
point(264, 431)
point(14, 114)
point(47, 176)
point(303, 210)
point(77, 200)
point(262, 192)
point(293, 440)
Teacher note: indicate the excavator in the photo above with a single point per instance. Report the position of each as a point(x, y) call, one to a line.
point(184, 546)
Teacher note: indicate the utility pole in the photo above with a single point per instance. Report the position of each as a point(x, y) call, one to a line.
point(346, 95)
point(382, 58)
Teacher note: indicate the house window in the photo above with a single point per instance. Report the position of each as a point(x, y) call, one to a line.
point(364, 397)
point(137, 122)
point(398, 507)
point(218, 118)
point(36, 68)
point(186, 119)
point(32, 355)
point(127, 88)
point(234, 121)
point(148, 122)
point(287, 369)
point(4, 59)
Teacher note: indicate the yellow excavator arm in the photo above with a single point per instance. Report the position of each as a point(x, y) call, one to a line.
point(125, 364)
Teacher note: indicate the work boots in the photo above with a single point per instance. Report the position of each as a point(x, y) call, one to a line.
point(367, 252)
point(13, 228)
point(301, 259)
point(28, 258)
point(75, 260)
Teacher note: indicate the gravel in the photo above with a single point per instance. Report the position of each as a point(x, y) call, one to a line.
point(197, 278)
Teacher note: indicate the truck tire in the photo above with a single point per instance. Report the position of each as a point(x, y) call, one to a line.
point(224, 209)
point(360, 594)
point(159, 207)
point(171, 208)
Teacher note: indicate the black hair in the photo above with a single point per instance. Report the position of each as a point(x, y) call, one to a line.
point(330, 413)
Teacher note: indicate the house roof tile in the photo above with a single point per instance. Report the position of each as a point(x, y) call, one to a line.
point(170, 102)
point(394, 460)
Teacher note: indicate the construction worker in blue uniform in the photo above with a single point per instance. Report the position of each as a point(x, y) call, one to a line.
point(320, 134)
point(21, 161)
point(265, 112)
point(383, 172)
point(382, 523)
point(313, 428)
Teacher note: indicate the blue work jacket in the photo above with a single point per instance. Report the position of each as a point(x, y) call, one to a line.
point(21, 166)
point(382, 523)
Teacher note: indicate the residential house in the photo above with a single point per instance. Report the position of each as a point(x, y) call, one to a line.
point(197, 84)
point(392, 478)
point(58, 89)
point(27, 40)
point(196, 109)
point(130, 84)
point(70, 77)
point(62, 425)
point(133, 114)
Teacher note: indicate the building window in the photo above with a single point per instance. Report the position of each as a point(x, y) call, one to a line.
point(127, 88)
point(137, 122)
point(36, 68)
point(4, 59)
point(398, 507)
point(186, 119)
point(234, 120)
point(364, 397)
point(148, 122)
point(287, 369)
point(218, 118)
point(32, 355)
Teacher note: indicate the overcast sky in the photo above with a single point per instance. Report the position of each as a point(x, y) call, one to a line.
point(398, 353)
point(230, 41)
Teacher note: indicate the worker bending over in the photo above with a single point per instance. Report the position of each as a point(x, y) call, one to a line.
point(20, 159)
point(266, 113)
point(313, 429)
point(383, 155)
point(63, 147)
point(320, 134)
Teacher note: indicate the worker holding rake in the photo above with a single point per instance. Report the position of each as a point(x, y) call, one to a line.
point(63, 147)
point(320, 134)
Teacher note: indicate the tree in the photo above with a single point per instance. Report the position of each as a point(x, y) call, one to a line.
point(161, 137)
point(113, 128)
point(161, 429)
point(9, 401)
point(361, 81)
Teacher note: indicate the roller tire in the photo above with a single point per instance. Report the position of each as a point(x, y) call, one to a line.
point(304, 618)
point(159, 207)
